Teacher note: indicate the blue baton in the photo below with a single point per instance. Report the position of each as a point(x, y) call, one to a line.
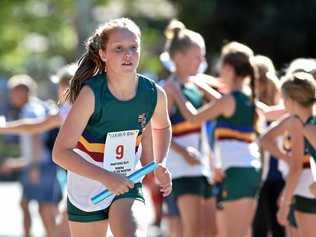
point(134, 177)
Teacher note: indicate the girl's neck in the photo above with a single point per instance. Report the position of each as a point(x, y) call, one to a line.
point(238, 85)
point(304, 113)
point(122, 86)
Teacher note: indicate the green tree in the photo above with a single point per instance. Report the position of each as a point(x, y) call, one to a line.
point(38, 36)
point(282, 30)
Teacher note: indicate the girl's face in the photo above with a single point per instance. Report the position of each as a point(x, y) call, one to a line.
point(19, 96)
point(190, 59)
point(227, 75)
point(122, 52)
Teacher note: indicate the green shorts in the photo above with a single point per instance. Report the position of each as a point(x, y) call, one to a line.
point(192, 185)
point(241, 182)
point(303, 204)
point(77, 215)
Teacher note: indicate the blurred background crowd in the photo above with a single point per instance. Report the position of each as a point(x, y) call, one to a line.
point(39, 37)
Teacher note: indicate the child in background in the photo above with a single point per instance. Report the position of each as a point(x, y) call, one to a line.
point(298, 93)
point(235, 131)
point(191, 207)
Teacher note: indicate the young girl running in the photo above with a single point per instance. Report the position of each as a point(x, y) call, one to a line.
point(298, 92)
point(235, 132)
point(111, 115)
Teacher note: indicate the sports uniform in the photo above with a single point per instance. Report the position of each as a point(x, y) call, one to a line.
point(236, 150)
point(110, 140)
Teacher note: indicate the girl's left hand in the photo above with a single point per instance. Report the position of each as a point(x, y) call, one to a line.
point(283, 214)
point(163, 177)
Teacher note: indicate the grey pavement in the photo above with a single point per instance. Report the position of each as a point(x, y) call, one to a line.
point(11, 215)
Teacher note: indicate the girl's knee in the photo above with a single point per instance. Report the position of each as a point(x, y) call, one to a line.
point(132, 227)
point(193, 229)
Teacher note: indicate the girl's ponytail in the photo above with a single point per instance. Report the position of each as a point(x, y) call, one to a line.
point(88, 65)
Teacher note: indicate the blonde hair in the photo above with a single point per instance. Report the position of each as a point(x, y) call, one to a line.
point(300, 87)
point(64, 74)
point(179, 38)
point(234, 46)
point(267, 83)
point(302, 65)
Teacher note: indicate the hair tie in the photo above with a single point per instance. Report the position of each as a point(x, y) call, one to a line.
point(95, 42)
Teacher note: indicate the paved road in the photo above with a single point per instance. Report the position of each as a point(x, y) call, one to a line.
point(11, 216)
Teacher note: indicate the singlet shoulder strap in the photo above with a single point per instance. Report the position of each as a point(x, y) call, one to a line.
point(308, 120)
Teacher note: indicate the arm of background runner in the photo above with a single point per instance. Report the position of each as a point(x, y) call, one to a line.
point(295, 128)
point(32, 126)
point(212, 110)
point(208, 91)
point(271, 113)
point(268, 141)
point(11, 165)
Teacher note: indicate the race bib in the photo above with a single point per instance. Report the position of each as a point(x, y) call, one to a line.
point(119, 152)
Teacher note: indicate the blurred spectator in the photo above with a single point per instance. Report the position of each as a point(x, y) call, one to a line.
point(38, 174)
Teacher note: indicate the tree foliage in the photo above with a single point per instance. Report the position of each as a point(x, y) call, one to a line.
point(38, 36)
point(282, 30)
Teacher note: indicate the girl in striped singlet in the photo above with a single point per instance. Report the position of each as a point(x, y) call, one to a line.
point(298, 92)
point(114, 111)
point(235, 134)
point(191, 207)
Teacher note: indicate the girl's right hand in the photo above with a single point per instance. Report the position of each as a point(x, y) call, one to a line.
point(116, 183)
